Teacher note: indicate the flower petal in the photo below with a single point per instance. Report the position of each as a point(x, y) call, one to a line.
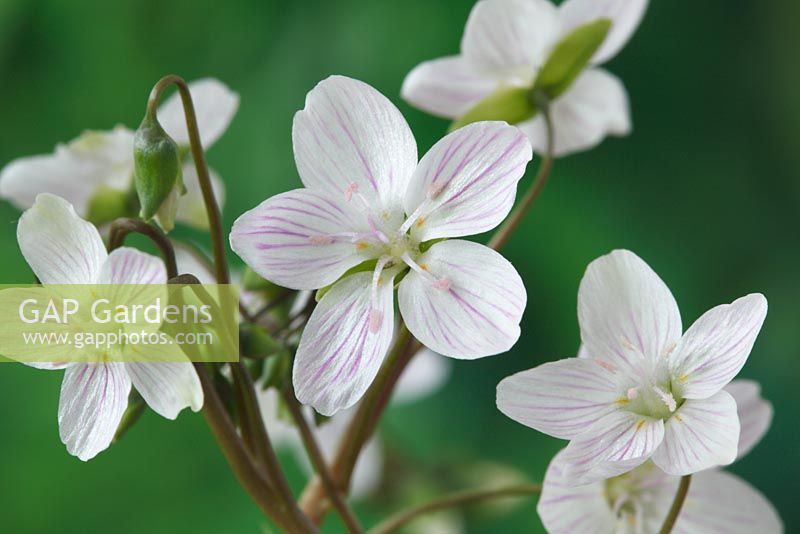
point(167, 387)
point(295, 239)
point(715, 348)
point(568, 509)
point(721, 502)
point(473, 310)
point(350, 136)
point(75, 172)
point(426, 373)
point(127, 265)
point(60, 247)
point(343, 345)
point(596, 105)
point(191, 206)
point(755, 413)
point(503, 35)
point(700, 434)
point(613, 445)
point(627, 315)
point(93, 399)
point(561, 398)
point(467, 182)
point(446, 87)
point(214, 105)
point(625, 15)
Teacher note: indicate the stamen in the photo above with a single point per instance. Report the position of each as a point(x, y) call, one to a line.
point(606, 365)
point(666, 398)
point(413, 218)
point(435, 189)
point(348, 193)
point(619, 502)
point(633, 393)
point(627, 344)
point(320, 239)
point(439, 283)
point(668, 349)
point(375, 313)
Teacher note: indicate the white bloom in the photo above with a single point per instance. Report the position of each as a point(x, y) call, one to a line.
point(644, 390)
point(426, 373)
point(62, 248)
point(638, 501)
point(368, 199)
point(99, 162)
point(506, 42)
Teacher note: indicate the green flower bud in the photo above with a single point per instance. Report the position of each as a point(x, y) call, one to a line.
point(157, 172)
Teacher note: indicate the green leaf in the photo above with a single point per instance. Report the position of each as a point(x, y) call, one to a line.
point(570, 56)
point(510, 104)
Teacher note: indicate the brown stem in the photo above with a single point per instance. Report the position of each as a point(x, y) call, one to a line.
point(677, 504)
point(320, 466)
point(121, 228)
point(450, 501)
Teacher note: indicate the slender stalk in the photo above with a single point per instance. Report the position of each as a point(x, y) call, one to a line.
point(121, 228)
point(677, 504)
point(257, 434)
point(460, 498)
point(320, 466)
point(500, 238)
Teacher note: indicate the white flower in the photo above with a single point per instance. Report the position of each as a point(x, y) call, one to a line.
point(506, 42)
point(638, 501)
point(426, 373)
point(62, 248)
point(644, 391)
point(369, 203)
point(99, 164)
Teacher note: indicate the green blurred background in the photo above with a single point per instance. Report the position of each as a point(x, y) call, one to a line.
point(706, 190)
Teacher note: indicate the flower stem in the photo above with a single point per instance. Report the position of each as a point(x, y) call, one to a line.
point(500, 238)
point(121, 228)
point(677, 504)
point(460, 498)
point(320, 465)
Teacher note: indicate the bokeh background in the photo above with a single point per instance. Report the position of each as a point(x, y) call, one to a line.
point(706, 190)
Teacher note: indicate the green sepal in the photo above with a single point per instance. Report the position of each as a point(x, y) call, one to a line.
point(426, 245)
point(157, 166)
point(570, 57)
point(109, 204)
point(368, 265)
point(136, 407)
point(510, 104)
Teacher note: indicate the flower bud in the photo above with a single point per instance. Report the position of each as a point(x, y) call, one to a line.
point(157, 172)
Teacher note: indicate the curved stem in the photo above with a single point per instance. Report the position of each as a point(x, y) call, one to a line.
point(450, 501)
point(677, 504)
point(500, 238)
point(320, 466)
point(121, 228)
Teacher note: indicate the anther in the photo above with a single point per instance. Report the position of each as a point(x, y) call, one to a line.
point(442, 284)
point(320, 239)
point(633, 393)
point(351, 189)
point(375, 320)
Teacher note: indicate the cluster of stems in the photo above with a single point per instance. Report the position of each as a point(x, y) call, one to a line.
point(242, 435)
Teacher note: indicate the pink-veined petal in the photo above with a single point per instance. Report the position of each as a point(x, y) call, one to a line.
point(568, 509)
point(628, 316)
point(715, 348)
point(467, 182)
point(60, 247)
point(349, 139)
point(167, 387)
point(755, 413)
point(699, 435)
point(594, 107)
point(467, 305)
point(720, 502)
point(446, 87)
point(214, 105)
point(296, 239)
point(344, 343)
point(625, 15)
point(611, 446)
point(561, 398)
point(93, 399)
point(505, 37)
point(127, 265)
